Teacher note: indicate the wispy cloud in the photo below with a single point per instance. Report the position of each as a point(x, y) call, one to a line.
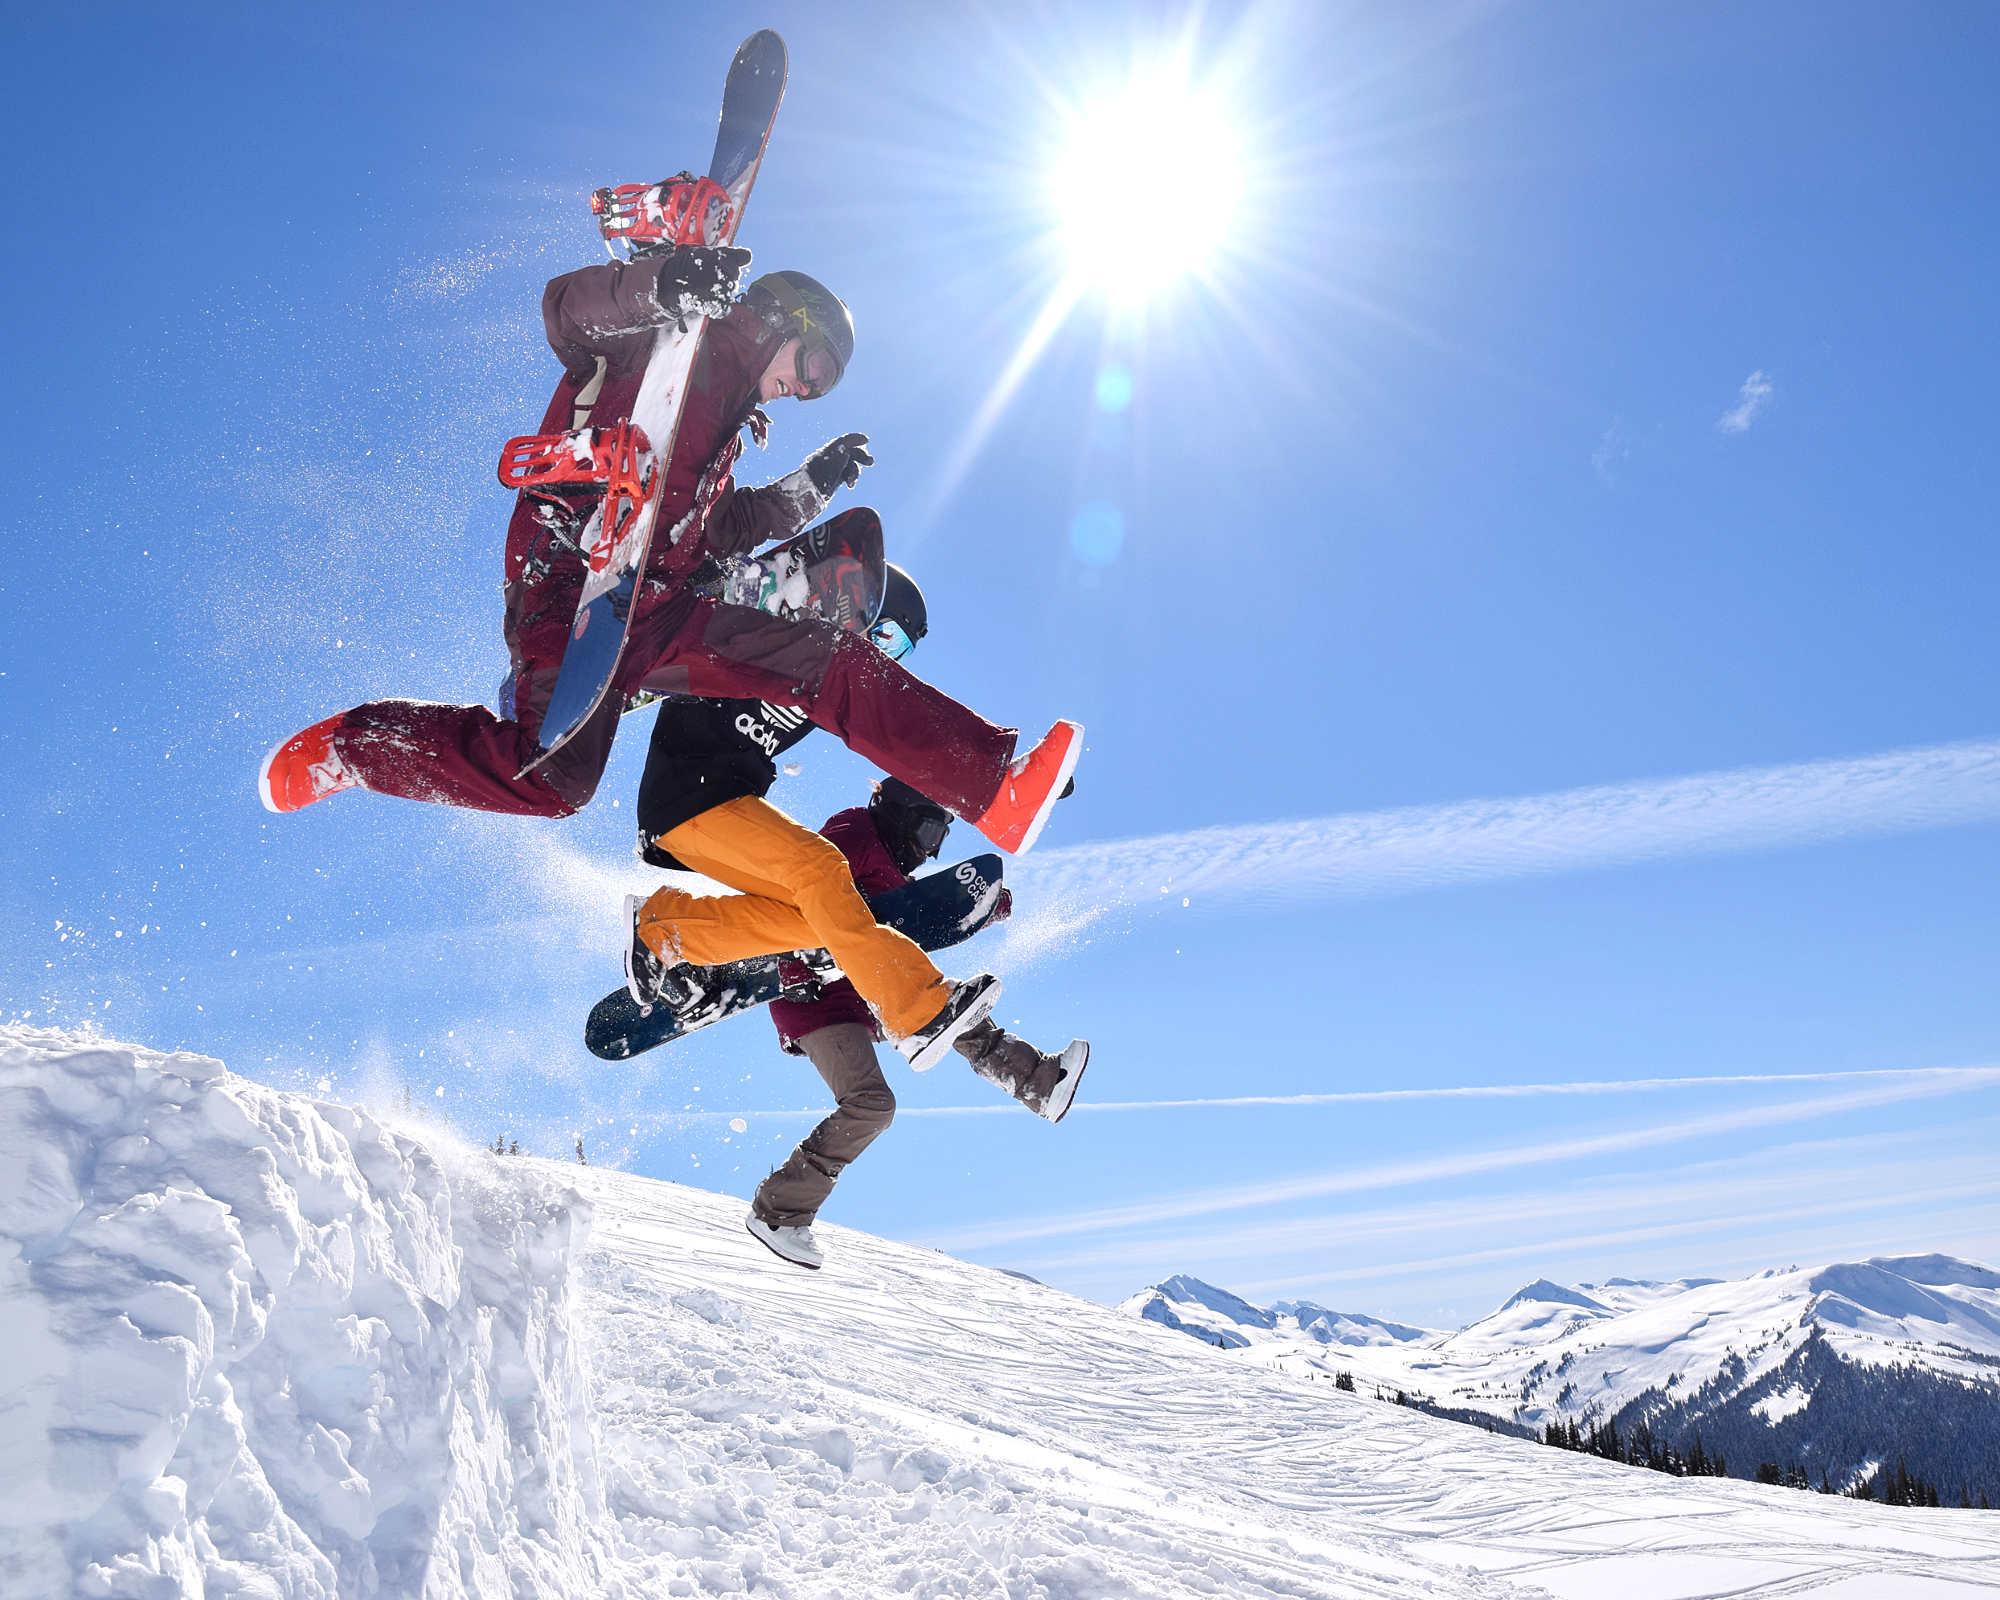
point(1482, 1091)
point(1751, 399)
point(1060, 892)
point(1435, 847)
point(1877, 1171)
point(1678, 1227)
point(1461, 1164)
point(1611, 452)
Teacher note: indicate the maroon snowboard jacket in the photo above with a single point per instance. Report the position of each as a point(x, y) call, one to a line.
point(600, 322)
point(875, 872)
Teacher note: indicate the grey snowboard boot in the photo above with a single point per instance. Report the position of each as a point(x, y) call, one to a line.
point(967, 1007)
point(1046, 1085)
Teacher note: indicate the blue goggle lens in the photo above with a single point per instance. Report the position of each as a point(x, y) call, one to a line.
point(891, 640)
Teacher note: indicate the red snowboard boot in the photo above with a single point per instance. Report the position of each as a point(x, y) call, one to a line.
point(1034, 783)
point(305, 768)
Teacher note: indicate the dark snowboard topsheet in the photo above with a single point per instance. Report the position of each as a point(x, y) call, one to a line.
point(935, 913)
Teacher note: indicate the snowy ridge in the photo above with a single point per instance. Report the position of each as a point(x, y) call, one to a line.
point(260, 1345)
point(264, 1346)
point(1696, 1353)
point(1217, 1317)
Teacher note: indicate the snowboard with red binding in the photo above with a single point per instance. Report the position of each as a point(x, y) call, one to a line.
point(618, 539)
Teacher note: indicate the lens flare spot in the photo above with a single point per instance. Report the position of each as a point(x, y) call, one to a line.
point(1097, 533)
point(1114, 389)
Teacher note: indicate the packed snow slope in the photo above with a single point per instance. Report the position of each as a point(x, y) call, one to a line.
point(1836, 1367)
point(257, 1345)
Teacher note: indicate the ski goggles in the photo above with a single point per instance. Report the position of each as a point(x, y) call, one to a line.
point(818, 369)
point(929, 833)
point(889, 636)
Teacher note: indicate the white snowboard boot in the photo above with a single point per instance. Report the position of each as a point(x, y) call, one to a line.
point(796, 1245)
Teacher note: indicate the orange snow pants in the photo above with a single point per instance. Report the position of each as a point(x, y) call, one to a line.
point(798, 894)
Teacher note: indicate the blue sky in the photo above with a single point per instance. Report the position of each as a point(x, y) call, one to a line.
point(1583, 400)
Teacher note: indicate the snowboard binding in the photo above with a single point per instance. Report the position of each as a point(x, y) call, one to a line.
point(653, 218)
point(619, 457)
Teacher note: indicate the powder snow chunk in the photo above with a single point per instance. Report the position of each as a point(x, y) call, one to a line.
point(709, 1306)
point(260, 1346)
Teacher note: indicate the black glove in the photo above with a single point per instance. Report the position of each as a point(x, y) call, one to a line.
point(701, 277)
point(837, 462)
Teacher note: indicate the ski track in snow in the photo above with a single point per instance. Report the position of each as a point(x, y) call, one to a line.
point(261, 1346)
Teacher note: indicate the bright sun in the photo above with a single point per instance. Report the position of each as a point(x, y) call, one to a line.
point(1145, 188)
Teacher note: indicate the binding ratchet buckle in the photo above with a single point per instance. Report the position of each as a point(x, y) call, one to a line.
point(619, 457)
point(679, 210)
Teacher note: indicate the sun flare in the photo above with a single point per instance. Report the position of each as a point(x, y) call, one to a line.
point(1145, 187)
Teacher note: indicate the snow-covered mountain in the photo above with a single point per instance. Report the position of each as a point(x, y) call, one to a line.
point(1834, 1369)
point(1217, 1317)
point(262, 1346)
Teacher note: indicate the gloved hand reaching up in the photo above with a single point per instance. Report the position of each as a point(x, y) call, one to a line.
point(838, 461)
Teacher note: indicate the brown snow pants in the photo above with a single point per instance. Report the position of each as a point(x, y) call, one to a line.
point(845, 1056)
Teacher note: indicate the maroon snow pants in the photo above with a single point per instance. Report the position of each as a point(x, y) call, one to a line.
point(467, 756)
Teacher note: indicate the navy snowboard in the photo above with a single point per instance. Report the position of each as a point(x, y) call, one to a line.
point(936, 912)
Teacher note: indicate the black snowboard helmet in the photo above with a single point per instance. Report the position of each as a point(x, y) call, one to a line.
point(902, 608)
point(805, 309)
point(910, 826)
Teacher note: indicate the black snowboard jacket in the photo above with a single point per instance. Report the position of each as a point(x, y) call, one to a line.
point(706, 752)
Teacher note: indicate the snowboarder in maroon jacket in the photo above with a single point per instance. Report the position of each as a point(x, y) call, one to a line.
point(788, 337)
point(884, 842)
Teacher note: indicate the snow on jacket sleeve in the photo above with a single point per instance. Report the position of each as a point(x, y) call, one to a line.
point(743, 518)
point(609, 309)
point(875, 871)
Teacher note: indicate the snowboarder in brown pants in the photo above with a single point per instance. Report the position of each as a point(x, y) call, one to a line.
point(897, 831)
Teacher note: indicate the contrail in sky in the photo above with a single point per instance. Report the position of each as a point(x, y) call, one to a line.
point(1461, 1164)
point(1473, 841)
point(1912, 1081)
point(1367, 853)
